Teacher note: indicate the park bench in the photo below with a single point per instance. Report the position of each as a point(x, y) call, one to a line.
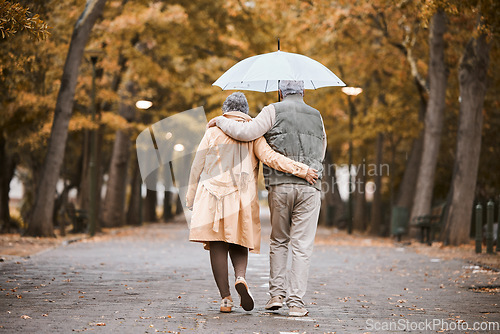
point(430, 224)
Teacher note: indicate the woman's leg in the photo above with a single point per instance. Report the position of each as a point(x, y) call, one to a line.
point(239, 258)
point(218, 259)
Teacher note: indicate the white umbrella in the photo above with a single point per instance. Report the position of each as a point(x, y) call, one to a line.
point(261, 73)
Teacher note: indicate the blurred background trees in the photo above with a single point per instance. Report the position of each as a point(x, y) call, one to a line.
point(170, 52)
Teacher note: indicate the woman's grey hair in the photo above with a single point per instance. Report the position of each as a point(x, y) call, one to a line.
point(235, 102)
point(290, 87)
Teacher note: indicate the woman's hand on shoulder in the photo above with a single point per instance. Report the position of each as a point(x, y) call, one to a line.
point(212, 122)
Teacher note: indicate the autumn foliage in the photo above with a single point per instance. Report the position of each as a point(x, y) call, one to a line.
point(171, 52)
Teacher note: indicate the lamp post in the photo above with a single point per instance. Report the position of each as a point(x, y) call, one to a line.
point(350, 91)
point(143, 105)
point(94, 55)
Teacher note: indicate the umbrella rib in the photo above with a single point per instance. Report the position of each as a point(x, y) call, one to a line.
point(265, 90)
point(312, 83)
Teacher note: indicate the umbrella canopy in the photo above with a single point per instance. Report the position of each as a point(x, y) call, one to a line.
point(261, 73)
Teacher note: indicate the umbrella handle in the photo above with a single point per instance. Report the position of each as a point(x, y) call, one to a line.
point(279, 96)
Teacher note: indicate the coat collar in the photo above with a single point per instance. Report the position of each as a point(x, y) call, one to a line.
point(294, 97)
point(237, 116)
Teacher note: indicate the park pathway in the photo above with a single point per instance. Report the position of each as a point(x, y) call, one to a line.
point(151, 279)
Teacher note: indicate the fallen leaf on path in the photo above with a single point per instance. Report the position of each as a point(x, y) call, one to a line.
point(24, 316)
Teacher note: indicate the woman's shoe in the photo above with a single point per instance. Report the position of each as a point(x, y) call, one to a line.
point(245, 296)
point(226, 305)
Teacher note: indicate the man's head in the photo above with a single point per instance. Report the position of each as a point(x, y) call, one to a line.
point(291, 87)
point(235, 102)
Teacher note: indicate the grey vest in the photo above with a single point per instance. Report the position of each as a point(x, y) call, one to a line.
point(298, 134)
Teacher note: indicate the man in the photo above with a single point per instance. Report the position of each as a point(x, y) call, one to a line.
point(295, 130)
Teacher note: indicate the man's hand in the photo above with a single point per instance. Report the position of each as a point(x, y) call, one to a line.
point(312, 176)
point(189, 203)
point(212, 122)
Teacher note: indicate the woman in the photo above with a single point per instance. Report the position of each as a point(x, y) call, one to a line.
point(222, 193)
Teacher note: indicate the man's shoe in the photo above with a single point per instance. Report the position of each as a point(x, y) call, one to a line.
point(274, 303)
point(226, 305)
point(296, 311)
point(245, 296)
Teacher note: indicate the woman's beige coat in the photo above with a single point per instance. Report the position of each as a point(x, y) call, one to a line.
point(223, 186)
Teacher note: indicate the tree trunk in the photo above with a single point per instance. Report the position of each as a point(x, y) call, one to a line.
point(7, 169)
point(113, 212)
point(40, 219)
point(339, 208)
point(100, 171)
point(376, 214)
point(433, 123)
point(150, 206)
point(106, 106)
point(406, 192)
point(167, 205)
point(178, 205)
point(336, 209)
point(84, 188)
point(60, 207)
point(327, 183)
point(472, 79)
point(359, 218)
point(134, 204)
point(114, 201)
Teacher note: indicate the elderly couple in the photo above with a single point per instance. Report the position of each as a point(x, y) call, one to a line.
point(290, 140)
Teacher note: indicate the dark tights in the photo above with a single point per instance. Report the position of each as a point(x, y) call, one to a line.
point(218, 259)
